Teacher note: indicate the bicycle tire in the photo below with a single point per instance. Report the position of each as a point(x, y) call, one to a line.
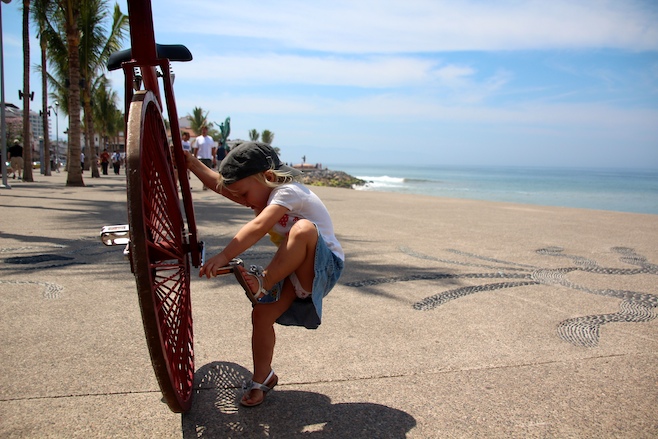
point(158, 252)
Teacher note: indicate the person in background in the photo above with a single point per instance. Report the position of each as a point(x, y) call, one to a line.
point(187, 147)
point(221, 151)
point(204, 150)
point(116, 162)
point(15, 153)
point(105, 161)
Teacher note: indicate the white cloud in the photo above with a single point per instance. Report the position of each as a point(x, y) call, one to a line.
point(457, 84)
point(251, 104)
point(405, 109)
point(370, 72)
point(428, 25)
point(453, 74)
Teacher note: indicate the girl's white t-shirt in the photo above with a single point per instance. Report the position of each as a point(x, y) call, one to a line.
point(302, 204)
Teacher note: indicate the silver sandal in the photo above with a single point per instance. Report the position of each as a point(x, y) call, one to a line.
point(251, 385)
point(257, 272)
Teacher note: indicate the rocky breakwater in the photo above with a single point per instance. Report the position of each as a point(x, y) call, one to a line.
point(327, 177)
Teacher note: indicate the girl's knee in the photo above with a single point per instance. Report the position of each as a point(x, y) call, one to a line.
point(304, 229)
point(262, 317)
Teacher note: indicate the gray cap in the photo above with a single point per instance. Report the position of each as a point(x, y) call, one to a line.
point(250, 158)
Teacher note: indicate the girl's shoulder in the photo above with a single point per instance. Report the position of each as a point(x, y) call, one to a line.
point(292, 192)
point(293, 186)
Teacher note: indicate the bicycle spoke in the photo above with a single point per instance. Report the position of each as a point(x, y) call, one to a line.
point(162, 266)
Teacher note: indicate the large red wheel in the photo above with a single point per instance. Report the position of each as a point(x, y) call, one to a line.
point(158, 250)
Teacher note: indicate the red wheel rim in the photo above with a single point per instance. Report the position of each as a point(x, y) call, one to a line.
point(160, 259)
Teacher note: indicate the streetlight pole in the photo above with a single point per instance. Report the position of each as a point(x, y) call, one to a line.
point(3, 124)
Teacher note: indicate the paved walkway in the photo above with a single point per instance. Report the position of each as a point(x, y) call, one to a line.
point(453, 319)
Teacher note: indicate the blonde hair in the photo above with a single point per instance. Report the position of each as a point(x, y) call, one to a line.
point(280, 177)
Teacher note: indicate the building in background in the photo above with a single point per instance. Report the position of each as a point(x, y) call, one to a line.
point(14, 120)
point(58, 144)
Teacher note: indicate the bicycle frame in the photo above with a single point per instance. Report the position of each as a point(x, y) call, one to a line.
point(159, 247)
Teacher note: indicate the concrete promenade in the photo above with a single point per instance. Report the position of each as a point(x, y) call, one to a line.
point(453, 319)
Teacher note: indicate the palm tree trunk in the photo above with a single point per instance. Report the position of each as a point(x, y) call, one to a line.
point(27, 132)
point(72, 13)
point(89, 128)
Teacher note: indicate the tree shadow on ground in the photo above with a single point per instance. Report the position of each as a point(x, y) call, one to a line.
point(216, 412)
point(218, 219)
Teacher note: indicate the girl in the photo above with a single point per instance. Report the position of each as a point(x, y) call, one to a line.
point(306, 266)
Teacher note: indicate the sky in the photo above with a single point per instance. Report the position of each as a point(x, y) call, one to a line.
point(567, 83)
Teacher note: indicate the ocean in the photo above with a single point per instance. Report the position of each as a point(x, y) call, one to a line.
point(625, 190)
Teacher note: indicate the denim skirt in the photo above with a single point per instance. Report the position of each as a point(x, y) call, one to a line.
point(308, 312)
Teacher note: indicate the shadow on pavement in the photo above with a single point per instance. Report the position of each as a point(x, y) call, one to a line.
point(216, 412)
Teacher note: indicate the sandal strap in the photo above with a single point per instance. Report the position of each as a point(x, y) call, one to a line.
point(257, 272)
point(248, 386)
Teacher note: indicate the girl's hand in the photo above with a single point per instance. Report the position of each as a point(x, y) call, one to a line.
point(212, 265)
point(188, 158)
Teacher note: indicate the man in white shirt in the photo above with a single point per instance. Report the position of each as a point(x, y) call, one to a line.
point(204, 149)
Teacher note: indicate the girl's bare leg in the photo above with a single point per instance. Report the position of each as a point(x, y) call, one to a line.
point(295, 254)
point(263, 337)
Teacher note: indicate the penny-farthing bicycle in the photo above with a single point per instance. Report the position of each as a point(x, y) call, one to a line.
point(161, 236)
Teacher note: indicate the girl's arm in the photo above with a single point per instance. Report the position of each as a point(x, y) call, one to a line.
point(208, 177)
point(248, 235)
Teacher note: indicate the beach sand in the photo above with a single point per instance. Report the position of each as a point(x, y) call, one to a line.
point(453, 318)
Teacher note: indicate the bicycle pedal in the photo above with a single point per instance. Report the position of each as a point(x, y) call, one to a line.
point(115, 235)
point(229, 268)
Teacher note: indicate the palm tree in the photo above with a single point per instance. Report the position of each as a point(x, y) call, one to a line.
point(70, 17)
point(198, 119)
point(254, 135)
point(267, 136)
point(41, 9)
point(105, 108)
point(118, 124)
point(58, 74)
point(96, 48)
point(76, 45)
point(115, 126)
point(27, 132)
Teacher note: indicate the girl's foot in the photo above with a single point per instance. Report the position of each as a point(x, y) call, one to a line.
point(254, 393)
point(251, 281)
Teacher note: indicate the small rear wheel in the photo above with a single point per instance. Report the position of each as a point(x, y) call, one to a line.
point(158, 249)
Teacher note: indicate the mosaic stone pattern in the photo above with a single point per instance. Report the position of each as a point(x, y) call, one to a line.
point(582, 331)
point(46, 259)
